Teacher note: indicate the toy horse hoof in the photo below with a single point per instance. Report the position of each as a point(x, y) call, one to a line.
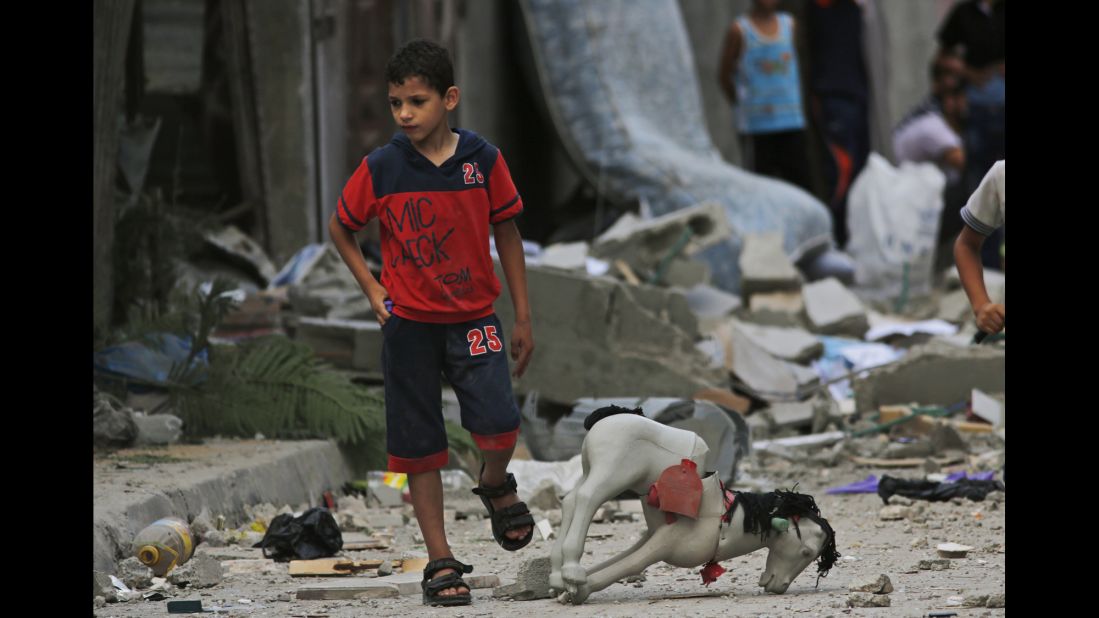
point(556, 581)
point(574, 574)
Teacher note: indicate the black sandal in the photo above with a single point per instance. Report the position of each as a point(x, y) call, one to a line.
point(509, 517)
point(432, 587)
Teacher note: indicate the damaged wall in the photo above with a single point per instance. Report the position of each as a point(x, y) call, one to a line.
point(597, 337)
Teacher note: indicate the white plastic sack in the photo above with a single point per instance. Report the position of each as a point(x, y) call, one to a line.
point(893, 223)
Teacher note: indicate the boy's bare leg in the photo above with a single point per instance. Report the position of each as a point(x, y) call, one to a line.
point(496, 467)
point(427, 500)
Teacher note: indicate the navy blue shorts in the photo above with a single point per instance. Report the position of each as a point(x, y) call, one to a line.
point(473, 358)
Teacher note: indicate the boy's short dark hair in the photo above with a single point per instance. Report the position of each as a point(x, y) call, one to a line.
point(424, 59)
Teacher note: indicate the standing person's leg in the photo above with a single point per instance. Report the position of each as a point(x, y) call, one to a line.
point(412, 355)
point(792, 156)
point(477, 368)
point(763, 152)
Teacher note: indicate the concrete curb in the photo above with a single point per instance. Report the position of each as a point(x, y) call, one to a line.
point(225, 476)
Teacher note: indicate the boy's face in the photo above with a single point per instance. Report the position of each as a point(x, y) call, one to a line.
point(417, 107)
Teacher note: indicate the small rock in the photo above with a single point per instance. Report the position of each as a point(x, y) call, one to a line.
point(901, 500)
point(952, 550)
point(532, 581)
point(976, 600)
point(918, 543)
point(216, 538)
point(933, 565)
point(201, 572)
point(134, 574)
point(879, 584)
point(866, 599)
point(997, 600)
point(99, 602)
point(385, 568)
point(893, 512)
point(286, 597)
point(545, 496)
point(934, 525)
point(632, 579)
point(202, 524)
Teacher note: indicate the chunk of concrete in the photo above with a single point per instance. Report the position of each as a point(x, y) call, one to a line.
point(834, 310)
point(936, 373)
point(764, 375)
point(347, 344)
point(878, 584)
point(711, 306)
point(112, 422)
point(792, 415)
point(866, 599)
point(532, 581)
point(134, 574)
point(643, 244)
point(933, 565)
point(790, 344)
point(782, 309)
point(566, 256)
point(765, 267)
point(157, 429)
point(202, 571)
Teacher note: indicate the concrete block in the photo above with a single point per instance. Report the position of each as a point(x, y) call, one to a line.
point(765, 267)
point(791, 344)
point(566, 256)
point(644, 243)
point(782, 309)
point(937, 373)
point(532, 581)
point(710, 306)
point(792, 415)
point(685, 273)
point(834, 310)
point(157, 429)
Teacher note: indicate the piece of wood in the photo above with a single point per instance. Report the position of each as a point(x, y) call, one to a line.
point(331, 566)
point(627, 272)
point(413, 565)
point(726, 399)
point(365, 545)
point(892, 413)
point(971, 427)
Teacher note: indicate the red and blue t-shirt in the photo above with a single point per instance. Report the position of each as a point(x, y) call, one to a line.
point(435, 223)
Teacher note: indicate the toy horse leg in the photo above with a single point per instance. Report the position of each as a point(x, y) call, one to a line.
point(631, 562)
point(596, 488)
point(568, 504)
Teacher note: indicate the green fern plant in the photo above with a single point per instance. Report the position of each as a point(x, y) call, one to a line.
point(276, 387)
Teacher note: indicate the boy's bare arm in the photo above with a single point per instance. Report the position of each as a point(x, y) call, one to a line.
point(509, 245)
point(991, 317)
point(353, 257)
point(729, 55)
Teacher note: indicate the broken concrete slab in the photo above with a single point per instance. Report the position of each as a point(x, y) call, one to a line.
point(791, 415)
point(790, 344)
point(643, 244)
point(347, 344)
point(596, 338)
point(781, 309)
point(832, 309)
point(710, 305)
point(532, 581)
point(566, 256)
point(247, 252)
point(765, 267)
point(762, 374)
point(936, 373)
point(684, 273)
point(952, 550)
point(157, 429)
point(878, 584)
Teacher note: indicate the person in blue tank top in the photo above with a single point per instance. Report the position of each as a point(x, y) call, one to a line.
point(759, 75)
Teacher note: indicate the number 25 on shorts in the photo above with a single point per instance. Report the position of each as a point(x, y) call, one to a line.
point(477, 340)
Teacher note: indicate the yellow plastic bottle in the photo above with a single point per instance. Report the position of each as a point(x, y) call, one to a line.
point(164, 545)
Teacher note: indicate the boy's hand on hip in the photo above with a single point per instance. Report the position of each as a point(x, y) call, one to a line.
point(377, 298)
point(522, 345)
point(991, 318)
